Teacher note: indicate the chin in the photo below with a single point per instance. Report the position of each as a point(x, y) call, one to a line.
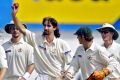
point(45, 33)
point(16, 36)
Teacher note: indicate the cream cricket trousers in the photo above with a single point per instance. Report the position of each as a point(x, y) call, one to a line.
point(47, 77)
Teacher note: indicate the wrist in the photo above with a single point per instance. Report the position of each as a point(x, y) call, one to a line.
point(26, 75)
point(106, 71)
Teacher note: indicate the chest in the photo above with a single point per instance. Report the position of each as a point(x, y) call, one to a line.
point(89, 59)
point(54, 50)
point(114, 51)
point(15, 51)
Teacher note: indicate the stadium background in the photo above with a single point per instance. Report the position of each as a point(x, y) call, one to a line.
point(71, 14)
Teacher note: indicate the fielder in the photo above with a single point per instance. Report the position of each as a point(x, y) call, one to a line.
point(109, 35)
point(3, 63)
point(91, 58)
point(19, 55)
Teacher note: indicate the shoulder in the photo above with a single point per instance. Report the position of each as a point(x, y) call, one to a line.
point(28, 32)
point(79, 49)
point(2, 50)
point(5, 44)
point(27, 45)
point(99, 47)
point(116, 44)
point(61, 41)
point(1, 47)
point(102, 51)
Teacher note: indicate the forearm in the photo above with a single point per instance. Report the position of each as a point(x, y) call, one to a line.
point(106, 71)
point(18, 24)
point(15, 19)
point(2, 73)
point(30, 68)
point(28, 72)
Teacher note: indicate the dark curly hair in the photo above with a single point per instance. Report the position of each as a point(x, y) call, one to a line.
point(54, 24)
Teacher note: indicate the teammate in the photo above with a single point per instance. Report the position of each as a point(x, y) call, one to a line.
point(52, 54)
point(19, 55)
point(3, 63)
point(109, 34)
point(91, 58)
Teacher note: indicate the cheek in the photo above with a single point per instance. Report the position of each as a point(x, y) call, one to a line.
point(79, 40)
point(11, 31)
point(107, 36)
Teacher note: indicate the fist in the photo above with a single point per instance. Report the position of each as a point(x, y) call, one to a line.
point(15, 6)
point(98, 75)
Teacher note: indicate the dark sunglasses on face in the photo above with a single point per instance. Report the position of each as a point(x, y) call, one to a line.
point(105, 32)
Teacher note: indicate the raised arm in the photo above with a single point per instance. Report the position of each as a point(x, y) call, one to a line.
point(17, 23)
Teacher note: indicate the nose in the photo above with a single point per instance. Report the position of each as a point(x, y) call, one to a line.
point(46, 27)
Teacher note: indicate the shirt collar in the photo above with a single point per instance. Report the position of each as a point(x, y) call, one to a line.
point(92, 47)
point(54, 40)
point(21, 41)
point(113, 43)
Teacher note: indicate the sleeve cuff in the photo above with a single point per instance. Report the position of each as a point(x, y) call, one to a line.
point(26, 75)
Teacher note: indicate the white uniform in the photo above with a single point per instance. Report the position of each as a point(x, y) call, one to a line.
point(114, 50)
point(50, 59)
point(19, 56)
point(3, 60)
point(90, 60)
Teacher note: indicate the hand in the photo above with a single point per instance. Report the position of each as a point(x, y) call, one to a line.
point(15, 7)
point(21, 78)
point(67, 76)
point(90, 77)
point(97, 75)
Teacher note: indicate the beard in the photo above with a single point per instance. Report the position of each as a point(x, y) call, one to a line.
point(45, 33)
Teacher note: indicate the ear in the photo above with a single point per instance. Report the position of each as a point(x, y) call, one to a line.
point(54, 28)
point(10, 30)
point(112, 33)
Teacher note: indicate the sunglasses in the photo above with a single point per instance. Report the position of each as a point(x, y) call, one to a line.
point(105, 32)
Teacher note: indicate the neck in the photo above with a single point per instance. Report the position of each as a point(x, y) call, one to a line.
point(15, 40)
point(87, 45)
point(108, 43)
point(49, 38)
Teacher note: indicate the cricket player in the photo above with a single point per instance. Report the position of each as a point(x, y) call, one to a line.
point(3, 63)
point(52, 54)
point(91, 58)
point(109, 35)
point(19, 55)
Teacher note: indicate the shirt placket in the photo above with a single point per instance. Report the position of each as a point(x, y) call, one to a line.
point(14, 49)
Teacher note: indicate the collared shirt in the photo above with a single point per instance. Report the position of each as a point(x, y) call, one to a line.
point(50, 58)
point(3, 60)
point(92, 59)
point(114, 51)
point(19, 56)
